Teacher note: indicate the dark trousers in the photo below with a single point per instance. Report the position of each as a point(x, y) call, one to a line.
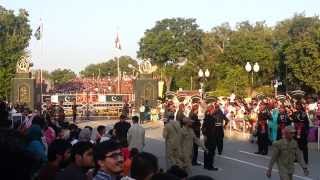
point(141, 117)
point(263, 143)
point(195, 153)
point(220, 145)
point(74, 118)
point(219, 139)
point(303, 146)
point(209, 156)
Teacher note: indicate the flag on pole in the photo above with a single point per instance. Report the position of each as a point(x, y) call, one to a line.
point(38, 33)
point(117, 42)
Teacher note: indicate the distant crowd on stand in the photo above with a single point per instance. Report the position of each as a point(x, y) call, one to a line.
point(101, 85)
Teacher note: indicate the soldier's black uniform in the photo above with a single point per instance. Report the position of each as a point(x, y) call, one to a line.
point(220, 117)
point(196, 126)
point(209, 130)
point(301, 124)
point(262, 132)
point(283, 121)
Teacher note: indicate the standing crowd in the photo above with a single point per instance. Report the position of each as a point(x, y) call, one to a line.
point(49, 149)
point(268, 120)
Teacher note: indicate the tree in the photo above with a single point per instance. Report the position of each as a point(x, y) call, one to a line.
point(171, 42)
point(252, 43)
point(230, 79)
point(109, 67)
point(302, 50)
point(15, 34)
point(61, 76)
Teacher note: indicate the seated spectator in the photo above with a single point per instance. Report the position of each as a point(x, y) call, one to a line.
point(144, 166)
point(108, 160)
point(58, 155)
point(81, 162)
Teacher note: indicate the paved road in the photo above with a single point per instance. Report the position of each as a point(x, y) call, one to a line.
point(236, 163)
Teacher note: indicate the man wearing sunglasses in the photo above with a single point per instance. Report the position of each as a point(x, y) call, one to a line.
point(108, 160)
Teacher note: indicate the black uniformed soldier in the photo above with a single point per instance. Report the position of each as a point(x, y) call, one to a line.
point(221, 122)
point(301, 124)
point(196, 126)
point(262, 130)
point(283, 121)
point(209, 133)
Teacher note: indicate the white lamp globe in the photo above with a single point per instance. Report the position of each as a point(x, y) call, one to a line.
point(207, 73)
point(256, 67)
point(248, 67)
point(200, 73)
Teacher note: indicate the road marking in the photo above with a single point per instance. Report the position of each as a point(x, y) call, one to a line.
point(253, 154)
point(257, 166)
point(253, 164)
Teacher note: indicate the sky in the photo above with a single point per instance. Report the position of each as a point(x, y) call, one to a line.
point(77, 33)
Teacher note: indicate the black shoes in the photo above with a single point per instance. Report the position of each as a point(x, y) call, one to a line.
point(196, 164)
point(211, 168)
point(262, 153)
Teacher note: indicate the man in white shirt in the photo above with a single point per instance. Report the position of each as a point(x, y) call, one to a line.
point(136, 135)
point(142, 109)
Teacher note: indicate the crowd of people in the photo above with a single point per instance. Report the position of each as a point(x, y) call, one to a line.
point(100, 85)
point(56, 149)
point(266, 119)
point(45, 150)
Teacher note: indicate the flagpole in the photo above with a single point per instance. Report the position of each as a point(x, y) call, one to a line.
point(118, 67)
point(41, 90)
point(118, 46)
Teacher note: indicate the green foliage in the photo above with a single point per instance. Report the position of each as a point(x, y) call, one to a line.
point(15, 34)
point(236, 80)
point(61, 76)
point(170, 42)
point(170, 39)
point(302, 50)
point(109, 67)
point(252, 43)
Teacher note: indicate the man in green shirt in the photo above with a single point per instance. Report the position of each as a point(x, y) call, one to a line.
point(285, 152)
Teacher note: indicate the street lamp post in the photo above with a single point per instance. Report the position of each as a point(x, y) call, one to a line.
point(249, 69)
point(203, 76)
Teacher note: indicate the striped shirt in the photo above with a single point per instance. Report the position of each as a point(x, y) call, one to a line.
point(101, 175)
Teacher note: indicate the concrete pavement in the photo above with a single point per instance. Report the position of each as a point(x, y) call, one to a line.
point(237, 161)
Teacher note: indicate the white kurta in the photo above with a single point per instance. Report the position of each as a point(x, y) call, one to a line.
point(136, 137)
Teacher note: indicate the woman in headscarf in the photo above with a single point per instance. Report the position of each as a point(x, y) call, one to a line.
point(273, 121)
point(35, 145)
